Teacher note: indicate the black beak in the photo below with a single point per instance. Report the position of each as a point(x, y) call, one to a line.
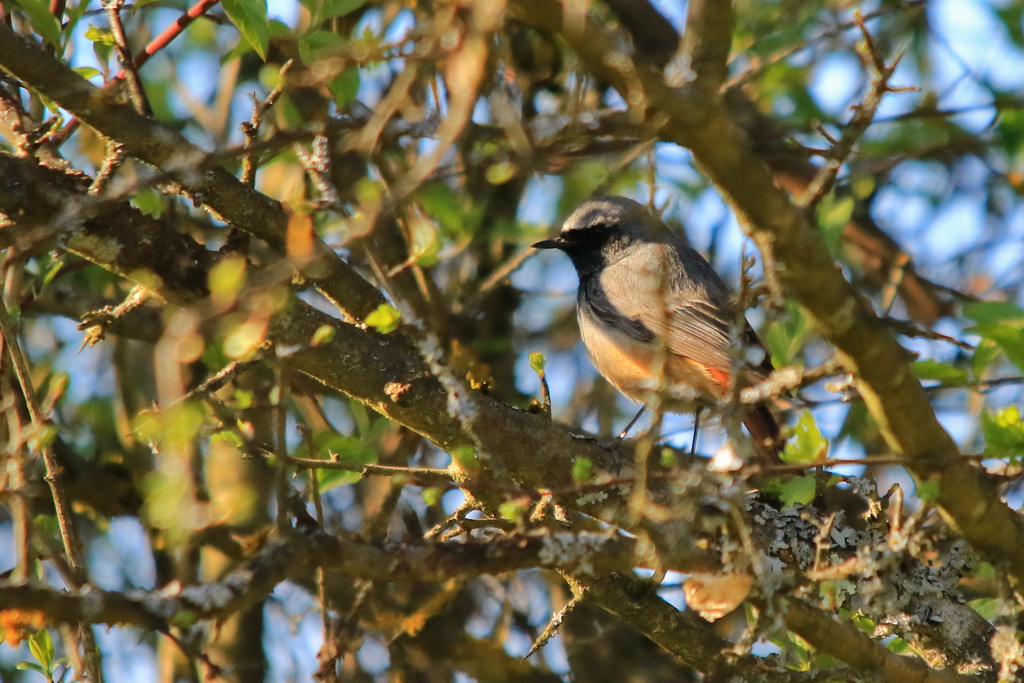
point(549, 244)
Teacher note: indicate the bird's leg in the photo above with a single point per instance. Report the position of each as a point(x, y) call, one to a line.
point(696, 428)
point(632, 422)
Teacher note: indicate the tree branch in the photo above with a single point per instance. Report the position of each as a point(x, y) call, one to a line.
point(294, 555)
point(794, 249)
point(166, 149)
point(706, 42)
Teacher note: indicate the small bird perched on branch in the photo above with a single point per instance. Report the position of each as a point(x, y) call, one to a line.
point(655, 317)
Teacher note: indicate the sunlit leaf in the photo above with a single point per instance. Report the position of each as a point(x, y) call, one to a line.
point(384, 318)
point(537, 362)
point(943, 372)
point(582, 471)
point(250, 17)
point(345, 86)
point(807, 444)
point(1004, 434)
point(800, 490)
point(42, 20)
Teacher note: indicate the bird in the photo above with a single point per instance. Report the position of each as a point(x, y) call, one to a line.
point(656, 319)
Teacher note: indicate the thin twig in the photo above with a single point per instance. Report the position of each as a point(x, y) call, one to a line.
point(866, 462)
point(95, 323)
point(111, 162)
point(136, 91)
point(429, 476)
point(55, 479)
point(554, 624)
point(318, 508)
point(909, 329)
point(21, 520)
point(758, 66)
point(251, 128)
point(858, 125)
point(498, 276)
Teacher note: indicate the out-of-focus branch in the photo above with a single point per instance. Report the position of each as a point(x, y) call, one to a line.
point(864, 114)
point(160, 42)
point(150, 141)
point(706, 41)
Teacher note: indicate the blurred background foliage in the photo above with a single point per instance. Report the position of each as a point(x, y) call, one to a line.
point(431, 163)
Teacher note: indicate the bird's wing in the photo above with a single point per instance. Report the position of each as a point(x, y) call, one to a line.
point(593, 296)
point(697, 329)
point(694, 328)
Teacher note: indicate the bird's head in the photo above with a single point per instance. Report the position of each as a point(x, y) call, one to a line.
point(602, 230)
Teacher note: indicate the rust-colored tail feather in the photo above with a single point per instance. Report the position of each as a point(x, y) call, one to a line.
point(762, 426)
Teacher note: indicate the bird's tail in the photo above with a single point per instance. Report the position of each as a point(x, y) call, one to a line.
point(762, 426)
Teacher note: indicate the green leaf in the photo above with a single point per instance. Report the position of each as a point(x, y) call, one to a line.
point(424, 240)
point(100, 35)
point(345, 86)
point(928, 491)
point(250, 16)
point(41, 647)
point(988, 608)
point(149, 202)
point(807, 444)
point(184, 619)
point(1001, 322)
point(226, 436)
point(1004, 434)
point(87, 72)
point(323, 335)
point(537, 362)
point(322, 10)
point(465, 456)
point(992, 312)
point(833, 215)
point(55, 267)
point(898, 646)
point(501, 172)
point(42, 20)
point(798, 491)
point(316, 45)
point(785, 336)
point(384, 318)
point(512, 510)
point(29, 666)
point(1008, 336)
point(582, 471)
point(347, 449)
point(943, 372)
point(986, 352)
point(454, 214)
